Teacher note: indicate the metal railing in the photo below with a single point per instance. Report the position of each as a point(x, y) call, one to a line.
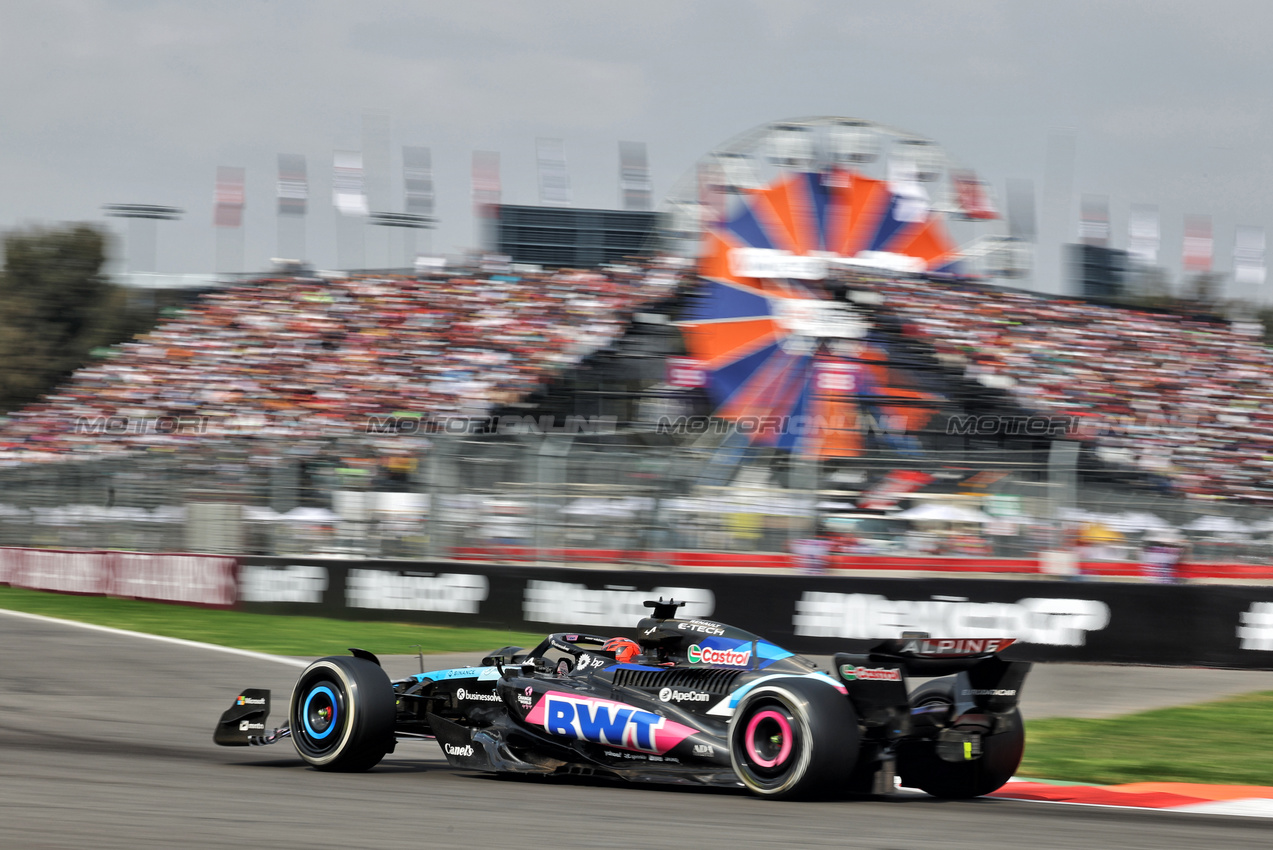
point(562, 498)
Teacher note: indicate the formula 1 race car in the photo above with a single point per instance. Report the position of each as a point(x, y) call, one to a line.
point(689, 702)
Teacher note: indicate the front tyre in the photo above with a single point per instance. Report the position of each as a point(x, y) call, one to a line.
point(342, 714)
point(919, 766)
point(794, 738)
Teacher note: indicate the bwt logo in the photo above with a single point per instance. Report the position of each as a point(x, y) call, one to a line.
point(125, 425)
point(602, 722)
point(512, 424)
point(1030, 426)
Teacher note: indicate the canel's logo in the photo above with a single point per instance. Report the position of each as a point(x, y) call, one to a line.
point(452, 750)
point(604, 722)
point(729, 657)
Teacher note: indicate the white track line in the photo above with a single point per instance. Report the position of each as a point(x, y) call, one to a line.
point(246, 653)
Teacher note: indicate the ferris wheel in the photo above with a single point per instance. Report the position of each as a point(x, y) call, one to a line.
point(772, 214)
point(915, 168)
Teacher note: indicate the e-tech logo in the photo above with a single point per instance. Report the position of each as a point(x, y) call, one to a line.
point(729, 657)
point(604, 722)
point(702, 626)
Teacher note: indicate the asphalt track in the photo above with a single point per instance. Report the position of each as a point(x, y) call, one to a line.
point(105, 742)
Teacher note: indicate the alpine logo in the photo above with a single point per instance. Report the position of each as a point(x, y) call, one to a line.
point(669, 695)
point(452, 750)
point(729, 657)
point(850, 673)
point(484, 696)
point(957, 646)
point(604, 722)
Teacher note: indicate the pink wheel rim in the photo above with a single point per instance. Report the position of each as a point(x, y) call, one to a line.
point(784, 729)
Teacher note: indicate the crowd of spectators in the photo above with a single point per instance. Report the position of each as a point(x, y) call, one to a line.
point(1187, 401)
point(306, 358)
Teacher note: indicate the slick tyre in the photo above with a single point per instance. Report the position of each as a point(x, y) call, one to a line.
point(794, 739)
point(342, 714)
point(919, 766)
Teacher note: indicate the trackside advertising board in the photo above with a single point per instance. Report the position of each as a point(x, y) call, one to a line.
point(1174, 625)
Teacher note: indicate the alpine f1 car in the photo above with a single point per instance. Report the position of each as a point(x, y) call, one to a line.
point(690, 701)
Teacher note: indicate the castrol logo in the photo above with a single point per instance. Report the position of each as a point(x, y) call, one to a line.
point(729, 657)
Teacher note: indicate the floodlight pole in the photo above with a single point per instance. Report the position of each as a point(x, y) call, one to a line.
point(411, 222)
point(138, 213)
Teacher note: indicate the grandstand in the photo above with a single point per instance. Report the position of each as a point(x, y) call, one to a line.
point(509, 412)
point(289, 383)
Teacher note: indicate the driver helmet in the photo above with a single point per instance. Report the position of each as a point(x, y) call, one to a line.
point(624, 649)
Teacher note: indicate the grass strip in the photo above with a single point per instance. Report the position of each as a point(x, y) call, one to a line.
point(279, 635)
point(1222, 742)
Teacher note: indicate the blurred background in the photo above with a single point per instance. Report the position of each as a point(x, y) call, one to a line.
point(978, 287)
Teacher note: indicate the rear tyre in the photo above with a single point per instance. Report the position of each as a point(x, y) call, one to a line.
point(342, 714)
point(794, 739)
point(919, 766)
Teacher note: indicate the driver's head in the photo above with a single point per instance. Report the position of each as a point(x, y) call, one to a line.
point(624, 650)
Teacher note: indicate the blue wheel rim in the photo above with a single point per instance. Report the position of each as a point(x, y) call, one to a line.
point(305, 715)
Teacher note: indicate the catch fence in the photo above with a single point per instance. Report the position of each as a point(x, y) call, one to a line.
point(626, 497)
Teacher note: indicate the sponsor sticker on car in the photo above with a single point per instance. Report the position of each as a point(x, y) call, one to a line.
point(697, 654)
point(852, 672)
point(602, 721)
point(465, 695)
point(676, 696)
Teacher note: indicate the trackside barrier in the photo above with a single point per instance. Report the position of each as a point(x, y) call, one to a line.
point(207, 580)
point(875, 563)
point(1132, 623)
point(1168, 625)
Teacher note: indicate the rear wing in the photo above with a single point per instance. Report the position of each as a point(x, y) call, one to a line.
point(983, 680)
point(925, 656)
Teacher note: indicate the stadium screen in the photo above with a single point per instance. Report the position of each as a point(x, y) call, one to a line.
point(580, 238)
